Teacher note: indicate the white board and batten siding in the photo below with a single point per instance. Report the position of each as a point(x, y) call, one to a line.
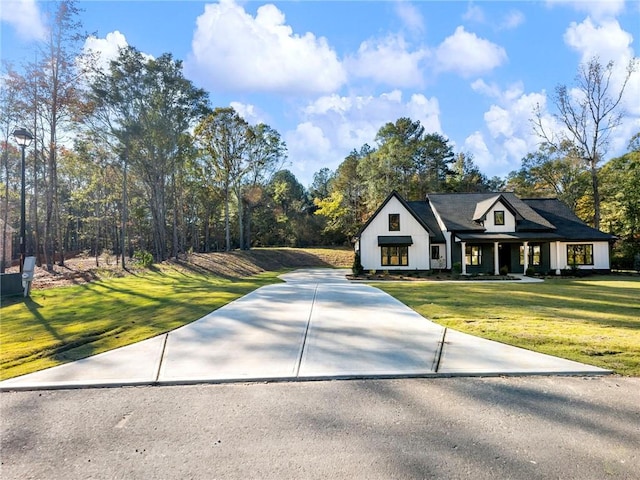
point(419, 252)
point(509, 220)
point(600, 256)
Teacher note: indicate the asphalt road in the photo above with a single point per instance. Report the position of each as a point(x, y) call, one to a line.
point(480, 428)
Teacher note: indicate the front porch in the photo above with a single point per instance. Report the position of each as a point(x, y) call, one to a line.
point(493, 255)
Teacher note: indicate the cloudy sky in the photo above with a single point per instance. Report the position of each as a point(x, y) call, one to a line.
point(329, 74)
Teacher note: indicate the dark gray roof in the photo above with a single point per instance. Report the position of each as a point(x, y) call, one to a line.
point(423, 211)
point(457, 211)
point(568, 225)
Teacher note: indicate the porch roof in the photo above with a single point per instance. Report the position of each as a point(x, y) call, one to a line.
point(508, 237)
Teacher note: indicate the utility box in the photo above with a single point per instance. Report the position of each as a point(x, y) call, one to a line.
point(28, 271)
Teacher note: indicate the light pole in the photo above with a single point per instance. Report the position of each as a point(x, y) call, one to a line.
point(23, 138)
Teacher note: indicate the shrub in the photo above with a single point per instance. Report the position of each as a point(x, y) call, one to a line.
point(143, 258)
point(357, 267)
point(530, 272)
point(504, 271)
point(456, 269)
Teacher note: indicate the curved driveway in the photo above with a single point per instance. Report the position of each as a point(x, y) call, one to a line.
point(316, 325)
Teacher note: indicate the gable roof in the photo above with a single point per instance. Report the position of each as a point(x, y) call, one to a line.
point(458, 210)
point(483, 207)
point(422, 213)
point(568, 225)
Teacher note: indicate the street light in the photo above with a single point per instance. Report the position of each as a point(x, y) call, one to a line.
point(23, 138)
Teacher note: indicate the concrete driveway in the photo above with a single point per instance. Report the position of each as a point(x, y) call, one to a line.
point(316, 325)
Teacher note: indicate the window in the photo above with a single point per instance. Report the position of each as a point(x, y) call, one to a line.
point(534, 255)
point(395, 256)
point(498, 217)
point(581, 254)
point(473, 255)
point(394, 222)
point(435, 252)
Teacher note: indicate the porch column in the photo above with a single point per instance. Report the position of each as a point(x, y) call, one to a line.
point(558, 258)
point(464, 257)
point(526, 256)
point(496, 259)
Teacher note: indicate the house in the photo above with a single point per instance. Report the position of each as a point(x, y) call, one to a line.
point(494, 230)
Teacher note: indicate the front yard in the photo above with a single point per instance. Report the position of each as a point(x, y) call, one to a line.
point(593, 320)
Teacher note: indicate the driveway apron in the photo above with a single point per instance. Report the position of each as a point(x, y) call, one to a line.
point(316, 325)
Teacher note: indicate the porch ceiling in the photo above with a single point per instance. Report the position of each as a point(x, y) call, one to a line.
point(508, 237)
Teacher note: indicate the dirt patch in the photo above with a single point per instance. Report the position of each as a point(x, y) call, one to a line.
point(236, 264)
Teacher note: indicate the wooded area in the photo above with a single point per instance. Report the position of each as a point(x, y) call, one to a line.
point(133, 159)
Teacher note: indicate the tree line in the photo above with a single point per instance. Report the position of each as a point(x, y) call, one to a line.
point(133, 160)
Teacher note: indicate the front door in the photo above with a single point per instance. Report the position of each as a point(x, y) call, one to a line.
point(504, 255)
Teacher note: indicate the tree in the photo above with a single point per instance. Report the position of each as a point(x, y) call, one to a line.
point(222, 135)
point(321, 183)
point(148, 107)
point(466, 176)
point(589, 114)
point(621, 200)
point(552, 172)
point(58, 77)
point(265, 155)
point(406, 160)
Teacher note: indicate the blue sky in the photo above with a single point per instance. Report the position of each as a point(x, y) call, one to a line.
point(327, 74)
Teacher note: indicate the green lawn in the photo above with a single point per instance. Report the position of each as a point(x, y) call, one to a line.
point(63, 324)
point(594, 320)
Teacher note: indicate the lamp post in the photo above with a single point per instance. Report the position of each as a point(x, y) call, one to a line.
point(23, 138)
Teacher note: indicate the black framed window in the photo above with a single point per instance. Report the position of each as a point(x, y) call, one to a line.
point(394, 222)
point(473, 255)
point(435, 252)
point(394, 255)
point(580, 254)
point(498, 217)
point(534, 254)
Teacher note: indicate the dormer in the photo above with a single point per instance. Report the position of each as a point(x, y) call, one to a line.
point(496, 214)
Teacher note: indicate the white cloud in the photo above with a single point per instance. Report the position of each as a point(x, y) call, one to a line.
point(482, 157)
point(233, 51)
point(598, 9)
point(467, 54)
point(348, 122)
point(388, 61)
point(511, 20)
point(105, 50)
point(410, 16)
point(606, 40)
point(249, 112)
point(25, 17)
point(474, 14)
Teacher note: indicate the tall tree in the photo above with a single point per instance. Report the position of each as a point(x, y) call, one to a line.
point(466, 176)
point(222, 135)
point(149, 107)
point(58, 77)
point(265, 155)
point(551, 172)
point(407, 160)
point(621, 198)
point(589, 113)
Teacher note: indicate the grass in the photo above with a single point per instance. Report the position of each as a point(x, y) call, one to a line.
point(60, 325)
point(594, 320)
